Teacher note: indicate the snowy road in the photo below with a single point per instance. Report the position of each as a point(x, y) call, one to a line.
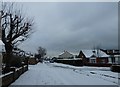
point(60, 74)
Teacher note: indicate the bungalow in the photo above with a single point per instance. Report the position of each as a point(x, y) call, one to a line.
point(1, 50)
point(114, 55)
point(93, 56)
point(83, 57)
point(66, 55)
point(68, 58)
point(1, 43)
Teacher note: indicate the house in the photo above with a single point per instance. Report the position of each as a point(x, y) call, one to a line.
point(66, 55)
point(1, 46)
point(83, 57)
point(1, 56)
point(68, 58)
point(93, 56)
point(1, 43)
point(114, 55)
point(1, 49)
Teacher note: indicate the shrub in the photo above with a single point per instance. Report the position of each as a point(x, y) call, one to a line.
point(16, 61)
point(115, 68)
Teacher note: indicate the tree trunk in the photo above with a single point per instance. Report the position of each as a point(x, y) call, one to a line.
point(8, 48)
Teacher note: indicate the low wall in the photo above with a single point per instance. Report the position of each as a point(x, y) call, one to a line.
point(9, 78)
point(98, 64)
point(80, 63)
point(71, 62)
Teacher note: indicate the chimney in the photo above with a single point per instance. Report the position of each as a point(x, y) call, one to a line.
point(94, 52)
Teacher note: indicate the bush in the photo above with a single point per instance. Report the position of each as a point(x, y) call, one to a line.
point(5, 70)
point(16, 61)
point(115, 68)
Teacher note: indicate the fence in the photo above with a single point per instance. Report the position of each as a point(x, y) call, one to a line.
point(10, 77)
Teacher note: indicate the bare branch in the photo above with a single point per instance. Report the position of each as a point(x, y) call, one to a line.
point(16, 27)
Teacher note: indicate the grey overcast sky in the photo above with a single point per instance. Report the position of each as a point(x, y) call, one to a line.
point(72, 26)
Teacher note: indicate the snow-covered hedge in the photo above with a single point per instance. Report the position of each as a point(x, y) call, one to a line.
point(10, 77)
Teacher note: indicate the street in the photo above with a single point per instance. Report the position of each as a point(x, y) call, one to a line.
point(60, 74)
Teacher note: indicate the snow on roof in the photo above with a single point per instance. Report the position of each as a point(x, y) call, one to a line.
point(89, 53)
point(2, 48)
point(103, 54)
point(117, 56)
point(1, 43)
point(65, 54)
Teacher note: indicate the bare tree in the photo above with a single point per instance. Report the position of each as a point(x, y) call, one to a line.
point(41, 52)
point(15, 27)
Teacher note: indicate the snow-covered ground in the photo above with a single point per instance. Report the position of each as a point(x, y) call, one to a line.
point(61, 74)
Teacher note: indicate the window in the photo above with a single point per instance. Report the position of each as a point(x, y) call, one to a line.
point(103, 61)
point(92, 60)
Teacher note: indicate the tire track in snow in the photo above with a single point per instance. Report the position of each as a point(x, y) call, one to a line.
point(90, 73)
point(96, 75)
